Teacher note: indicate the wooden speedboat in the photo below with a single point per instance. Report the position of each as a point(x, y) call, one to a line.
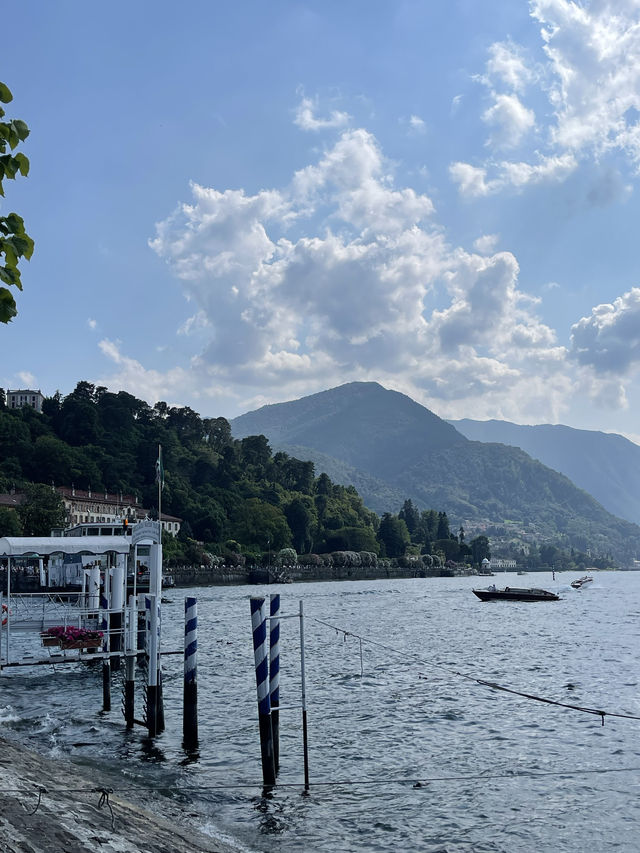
point(580, 582)
point(513, 593)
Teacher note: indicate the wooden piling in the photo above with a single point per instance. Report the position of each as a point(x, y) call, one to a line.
point(259, 627)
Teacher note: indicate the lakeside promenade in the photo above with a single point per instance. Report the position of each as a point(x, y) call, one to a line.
point(68, 819)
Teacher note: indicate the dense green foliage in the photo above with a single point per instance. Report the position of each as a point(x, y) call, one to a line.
point(15, 243)
point(233, 495)
point(238, 499)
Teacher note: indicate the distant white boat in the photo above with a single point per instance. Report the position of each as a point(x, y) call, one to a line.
point(580, 582)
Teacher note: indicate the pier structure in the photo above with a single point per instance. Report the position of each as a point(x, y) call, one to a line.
point(111, 576)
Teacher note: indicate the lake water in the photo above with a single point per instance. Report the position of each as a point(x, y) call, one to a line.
point(497, 772)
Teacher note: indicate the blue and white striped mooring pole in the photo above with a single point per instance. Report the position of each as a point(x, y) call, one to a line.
point(303, 688)
point(274, 673)
point(190, 695)
point(260, 653)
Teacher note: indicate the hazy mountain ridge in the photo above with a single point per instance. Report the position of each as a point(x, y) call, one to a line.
point(606, 465)
point(392, 448)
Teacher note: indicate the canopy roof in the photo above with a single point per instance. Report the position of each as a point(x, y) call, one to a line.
point(43, 546)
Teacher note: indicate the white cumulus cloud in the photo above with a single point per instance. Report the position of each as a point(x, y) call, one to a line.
point(587, 79)
point(609, 339)
point(306, 117)
point(341, 275)
point(510, 121)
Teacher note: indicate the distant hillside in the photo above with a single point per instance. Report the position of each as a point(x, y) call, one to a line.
point(389, 446)
point(362, 424)
point(603, 464)
point(380, 496)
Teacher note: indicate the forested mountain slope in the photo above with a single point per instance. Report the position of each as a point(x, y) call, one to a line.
point(604, 464)
point(404, 448)
point(228, 492)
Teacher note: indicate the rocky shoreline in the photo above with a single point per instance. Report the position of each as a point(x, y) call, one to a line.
point(53, 806)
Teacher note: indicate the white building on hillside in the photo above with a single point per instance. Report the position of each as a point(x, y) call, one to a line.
point(20, 398)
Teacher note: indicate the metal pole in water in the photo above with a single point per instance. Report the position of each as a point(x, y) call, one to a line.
point(8, 609)
point(274, 674)
point(117, 605)
point(190, 696)
point(130, 663)
point(152, 653)
point(259, 627)
point(305, 744)
point(106, 665)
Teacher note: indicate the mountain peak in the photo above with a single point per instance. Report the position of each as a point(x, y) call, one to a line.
point(363, 423)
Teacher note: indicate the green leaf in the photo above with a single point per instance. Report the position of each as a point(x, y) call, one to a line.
point(15, 223)
point(23, 164)
point(21, 128)
point(14, 139)
point(29, 250)
point(10, 254)
point(7, 305)
point(5, 94)
point(10, 167)
point(8, 308)
point(21, 245)
point(10, 276)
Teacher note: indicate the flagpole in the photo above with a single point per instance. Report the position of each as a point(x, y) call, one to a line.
point(160, 472)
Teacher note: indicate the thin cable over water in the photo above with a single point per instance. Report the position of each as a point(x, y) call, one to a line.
point(482, 682)
point(415, 781)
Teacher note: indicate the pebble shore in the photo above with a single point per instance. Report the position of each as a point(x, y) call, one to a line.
point(70, 817)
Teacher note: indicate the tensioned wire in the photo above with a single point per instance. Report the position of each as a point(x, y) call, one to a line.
point(481, 681)
point(414, 781)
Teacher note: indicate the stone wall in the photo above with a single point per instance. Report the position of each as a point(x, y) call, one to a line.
point(219, 576)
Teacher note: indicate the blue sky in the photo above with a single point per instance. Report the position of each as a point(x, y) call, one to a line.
point(242, 203)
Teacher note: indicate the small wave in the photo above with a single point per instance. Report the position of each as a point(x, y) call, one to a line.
point(8, 715)
point(213, 831)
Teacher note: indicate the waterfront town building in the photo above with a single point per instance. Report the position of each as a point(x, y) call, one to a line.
point(90, 507)
point(503, 563)
point(23, 397)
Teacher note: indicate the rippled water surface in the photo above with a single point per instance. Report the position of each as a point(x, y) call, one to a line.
point(404, 753)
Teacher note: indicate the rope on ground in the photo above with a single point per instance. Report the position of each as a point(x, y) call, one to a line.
point(41, 791)
point(104, 801)
point(482, 682)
